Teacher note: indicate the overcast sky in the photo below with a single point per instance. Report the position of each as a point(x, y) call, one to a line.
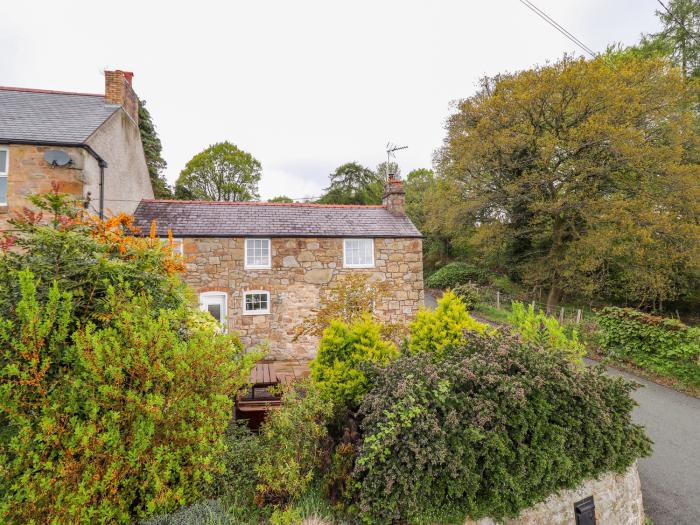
point(302, 85)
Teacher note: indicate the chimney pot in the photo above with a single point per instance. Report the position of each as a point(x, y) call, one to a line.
point(119, 90)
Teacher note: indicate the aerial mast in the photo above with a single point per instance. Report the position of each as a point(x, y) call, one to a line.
point(390, 153)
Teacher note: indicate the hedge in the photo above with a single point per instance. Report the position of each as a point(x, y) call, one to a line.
point(662, 345)
point(457, 273)
point(493, 427)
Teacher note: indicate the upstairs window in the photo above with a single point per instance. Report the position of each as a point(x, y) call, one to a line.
point(215, 304)
point(256, 302)
point(4, 164)
point(257, 254)
point(358, 253)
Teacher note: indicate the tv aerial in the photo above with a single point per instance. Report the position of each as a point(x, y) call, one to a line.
point(391, 150)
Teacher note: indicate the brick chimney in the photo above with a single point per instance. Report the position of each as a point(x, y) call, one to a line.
point(118, 90)
point(394, 195)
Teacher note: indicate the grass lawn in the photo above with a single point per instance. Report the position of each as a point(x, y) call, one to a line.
point(491, 313)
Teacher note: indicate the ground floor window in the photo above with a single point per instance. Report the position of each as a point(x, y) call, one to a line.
point(256, 302)
point(215, 304)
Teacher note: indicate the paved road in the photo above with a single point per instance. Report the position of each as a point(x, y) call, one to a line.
point(671, 476)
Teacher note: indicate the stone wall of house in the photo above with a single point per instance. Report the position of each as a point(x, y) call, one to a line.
point(28, 173)
point(301, 269)
point(617, 498)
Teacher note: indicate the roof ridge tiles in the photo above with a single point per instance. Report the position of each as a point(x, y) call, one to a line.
point(264, 203)
point(49, 91)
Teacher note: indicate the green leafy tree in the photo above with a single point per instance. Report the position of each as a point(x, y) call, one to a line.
point(222, 172)
point(352, 183)
point(680, 36)
point(281, 198)
point(384, 170)
point(152, 149)
point(557, 172)
point(433, 331)
point(342, 352)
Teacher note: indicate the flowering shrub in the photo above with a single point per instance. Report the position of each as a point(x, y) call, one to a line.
point(494, 426)
point(433, 331)
point(665, 346)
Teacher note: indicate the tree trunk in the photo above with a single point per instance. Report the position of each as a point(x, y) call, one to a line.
point(553, 298)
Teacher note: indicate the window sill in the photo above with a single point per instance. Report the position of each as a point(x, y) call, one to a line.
point(257, 313)
point(356, 266)
point(257, 267)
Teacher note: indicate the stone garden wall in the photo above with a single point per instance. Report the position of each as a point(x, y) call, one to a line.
point(301, 269)
point(617, 497)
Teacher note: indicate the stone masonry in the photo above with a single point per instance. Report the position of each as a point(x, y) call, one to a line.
point(302, 268)
point(29, 173)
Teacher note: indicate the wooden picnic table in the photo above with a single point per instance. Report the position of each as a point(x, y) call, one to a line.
point(264, 375)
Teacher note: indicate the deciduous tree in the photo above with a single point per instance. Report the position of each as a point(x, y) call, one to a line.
point(222, 172)
point(573, 174)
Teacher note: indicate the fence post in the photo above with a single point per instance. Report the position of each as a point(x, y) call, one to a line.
point(498, 300)
point(533, 305)
point(578, 316)
point(561, 315)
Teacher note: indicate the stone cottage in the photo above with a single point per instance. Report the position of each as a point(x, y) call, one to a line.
point(87, 143)
point(260, 268)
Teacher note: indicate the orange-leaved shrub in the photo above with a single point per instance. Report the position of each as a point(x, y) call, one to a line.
point(115, 390)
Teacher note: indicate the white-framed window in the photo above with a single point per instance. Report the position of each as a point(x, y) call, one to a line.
point(358, 253)
point(178, 245)
point(4, 168)
point(256, 302)
point(216, 304)
point(258, 254)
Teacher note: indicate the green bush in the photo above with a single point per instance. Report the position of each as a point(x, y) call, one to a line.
point(291, 444)
point(544, 331)
point(468, 293)
point(493, 427)
point(343, 350)
point(457, 273)
point(128, 424)
point(114, 389)
point(237, 481)
point(433, 331)
point(664, 346)
point(504, 285)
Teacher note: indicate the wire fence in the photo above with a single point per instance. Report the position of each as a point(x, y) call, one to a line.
point(502, 301)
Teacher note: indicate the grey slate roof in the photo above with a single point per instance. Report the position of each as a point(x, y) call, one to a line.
point(49, 116)
point(261, 219)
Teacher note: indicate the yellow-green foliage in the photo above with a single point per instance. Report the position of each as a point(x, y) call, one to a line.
point(114, 422)
point(433, 331)
point(342, 350)
point(545, 331)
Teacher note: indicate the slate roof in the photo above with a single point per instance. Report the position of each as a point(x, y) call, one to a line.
point(264, 219)
point(38, 116)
